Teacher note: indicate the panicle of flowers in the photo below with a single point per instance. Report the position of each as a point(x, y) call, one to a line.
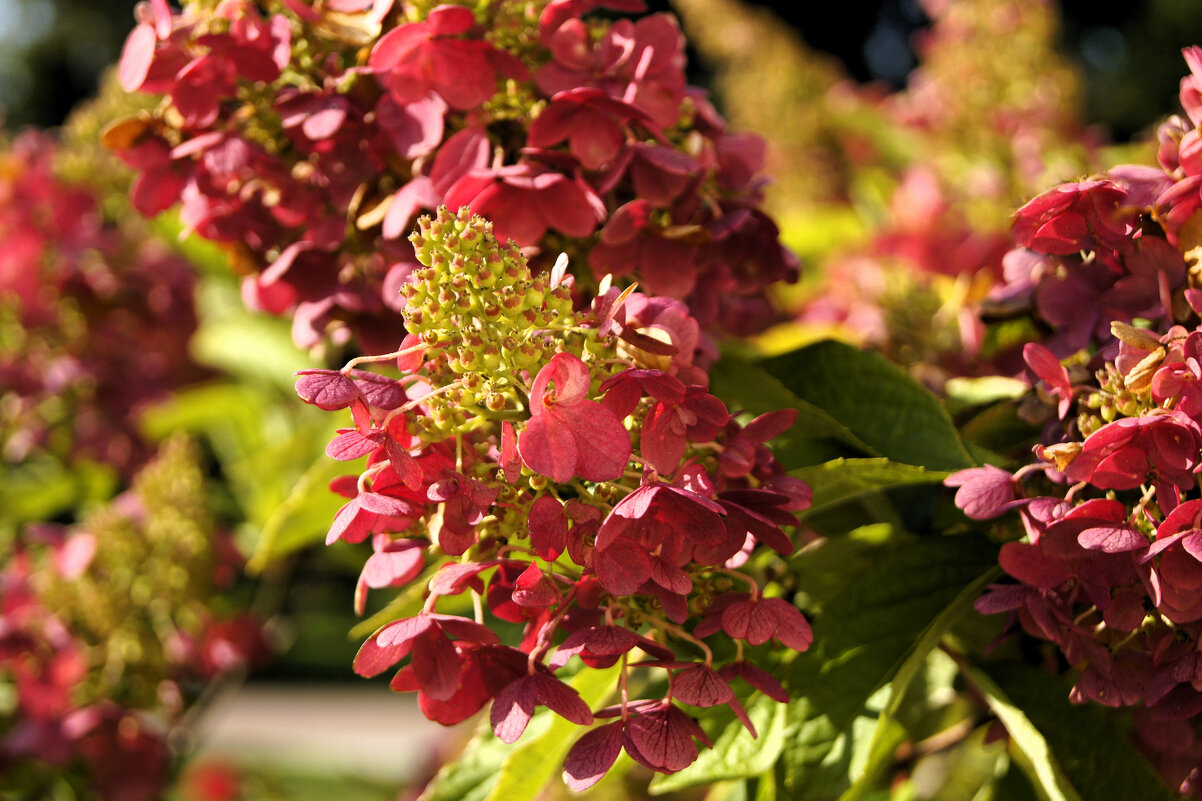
point(1109, 564)
point(77, 293)
point(975, 131)
point(307, 137)
point(1117, 246)
point(110, 630)
point(570, 471)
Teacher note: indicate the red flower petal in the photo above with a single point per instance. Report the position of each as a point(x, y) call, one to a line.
point(592, 756)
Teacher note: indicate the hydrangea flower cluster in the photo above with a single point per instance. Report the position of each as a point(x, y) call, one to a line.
point(75, 291)
point(975, 132)
point(307, 137)
point(1109, 566)
point(109, 630)
point(571, 472)
point(1117, 246)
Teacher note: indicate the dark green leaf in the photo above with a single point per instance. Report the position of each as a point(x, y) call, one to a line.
point(816, 437)
point(860, 641)
point(877, 401)
point(1089, 743)
point(1028, 747)
point(888, 734)
point(841, 480)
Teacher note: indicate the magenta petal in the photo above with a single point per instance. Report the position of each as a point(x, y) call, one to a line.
point(602, 443)
point(663, 739)
point(328, 390)
point(436, 664)
point(465, 629)
point(350, 445)
point(548, 527)
point(561, 699)
point(984, 492)
point(623, 567)
point(670, 577)
point(350, 524)
point(760, 679)
point(592, 756)
point(661, 444)
point(548, 449)
point(136, 57)
point(372, 659)
point(403, 631)
point(701, 686)
point(512, 709)
point(388, 568)
point(748, 621)
point(1111, 539)
point(1030, 565)
point(791, 627)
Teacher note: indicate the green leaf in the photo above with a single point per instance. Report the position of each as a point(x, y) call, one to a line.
point(1090, 744)
point(736, 754)
point(1027, 745)
point(44, 488)
point(533, 764)
point(303, 518)
point(889, 734)
point(842, 480)
point(816, 437)
point(254, 347)
point(874, 399)
point(473, 775)
point(861, 642)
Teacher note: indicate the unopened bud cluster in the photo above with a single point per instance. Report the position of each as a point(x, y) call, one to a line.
point(477, 299)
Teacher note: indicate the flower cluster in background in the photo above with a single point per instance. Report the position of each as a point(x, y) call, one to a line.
point(307, 138)
point(570, 471)
point(1110, 565)
point(110, 629)
point(75, 291)
point(902, 201)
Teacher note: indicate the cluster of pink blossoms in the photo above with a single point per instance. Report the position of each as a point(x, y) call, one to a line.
point(75, 292)
point(572, 473)
point(1110, 567)
point(101, 660)
point(308, 137)
point(1117, 246)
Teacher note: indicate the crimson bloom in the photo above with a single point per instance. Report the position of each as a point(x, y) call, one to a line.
point(514, 706)
point(412, 60)
point(1162, 448)
point(568, 434)
point(650, 534)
